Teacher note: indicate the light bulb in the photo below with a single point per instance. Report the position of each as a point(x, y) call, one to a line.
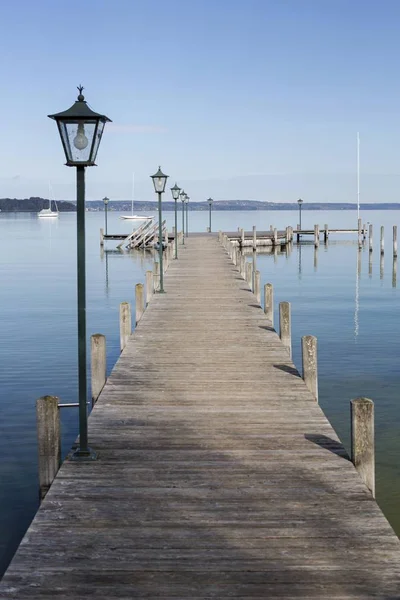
point(80, 140)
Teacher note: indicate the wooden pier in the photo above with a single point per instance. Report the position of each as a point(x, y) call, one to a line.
point(219, 475)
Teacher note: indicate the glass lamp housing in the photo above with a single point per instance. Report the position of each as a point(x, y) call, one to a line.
point(210, 201)
point(80, 130)
point(159, 181)
point(106, 200)
point(299, 201)
point(175, 191)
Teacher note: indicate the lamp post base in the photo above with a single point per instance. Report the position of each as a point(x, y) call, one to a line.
point(84, 455)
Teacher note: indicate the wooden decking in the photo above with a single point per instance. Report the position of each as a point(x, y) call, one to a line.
point(219, 476)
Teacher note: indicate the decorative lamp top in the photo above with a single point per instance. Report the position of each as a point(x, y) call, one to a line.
point(106, 200)
point(300, 201)
point(210, 201)
point(79, 110)
point(81, 130)
point(159, 181)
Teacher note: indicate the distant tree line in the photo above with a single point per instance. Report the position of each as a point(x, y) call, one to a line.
point(33, 204)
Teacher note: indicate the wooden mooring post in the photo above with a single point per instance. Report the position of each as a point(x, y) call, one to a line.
point(382, 240)
point(257, 286)
point(370, 238)
point(316, 236)
point(394, 241)
point(125, 323)
point(49, 441)
point(310, 365)
point(363, 440)
point(359, 227)
point(326, 233)
point(98, 364)
point(101, 237)
point(249, 274)
point(156, 275)
point(285, 326)
point(254, 238)
point(139, 302)
point(149, 286)
point(269, 302)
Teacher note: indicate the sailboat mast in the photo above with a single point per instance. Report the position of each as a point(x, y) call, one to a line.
point(358, 175)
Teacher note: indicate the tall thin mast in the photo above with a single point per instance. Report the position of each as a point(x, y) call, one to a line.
point(358, 175)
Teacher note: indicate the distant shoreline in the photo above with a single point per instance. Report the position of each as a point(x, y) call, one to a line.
point(34, 205)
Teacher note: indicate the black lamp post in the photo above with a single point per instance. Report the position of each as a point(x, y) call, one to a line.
point(210, 203)
point(300, 202)
point(81, 129)
point(159, 181)
point(183, 196)
point(106, 201)
point(175, 191)
point(187, 210)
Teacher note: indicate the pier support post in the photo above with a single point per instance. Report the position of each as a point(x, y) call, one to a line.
point(49, 441)
point(242, 237)
point(316, 236)
point(156, 275)
point(394, 241)
point(249, 274)
point(98, 364)
point(326, 233)
point(257, 286)
point(101, 236)
point(382, 241)
point(254, 238)
point(243, 266)
point(275, 237)
point(125, 323)
point(149, 286)
point(364, 232)
point(269, 302)
point(359, 226)
point(363, 440)
point(139, 302)
point(285, 326)
point(310, 365)
point(370, 238)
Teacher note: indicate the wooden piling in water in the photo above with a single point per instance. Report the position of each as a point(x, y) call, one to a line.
point(49, 441)
point(370, 238)
point(363, 440)
point(101, 236)
point(275, 237)
point(309, 362)
point(254, 238)
point(242, 237)
point(285, 326)
point(139, 302)
point(269, 302)
point(382, 241)
point(243, 266)
point(394, 241)
point(316, 236)
point(149, 286)
point(257, 286)
point(125, 323)
point(98, 364)
point(326, 233)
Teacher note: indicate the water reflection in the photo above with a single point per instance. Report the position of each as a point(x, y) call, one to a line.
point(370, 265)
point(357, 296)
point(299, 255)
point(394, 272)
point(315, 258)
point(381, 266)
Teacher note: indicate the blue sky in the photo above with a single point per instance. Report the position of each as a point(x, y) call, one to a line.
point(255, 99)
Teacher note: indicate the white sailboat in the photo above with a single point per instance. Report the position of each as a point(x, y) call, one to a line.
point(133, 217)
point(47, 212)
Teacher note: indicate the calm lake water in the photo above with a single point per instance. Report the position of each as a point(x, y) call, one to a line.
point(337, 293)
